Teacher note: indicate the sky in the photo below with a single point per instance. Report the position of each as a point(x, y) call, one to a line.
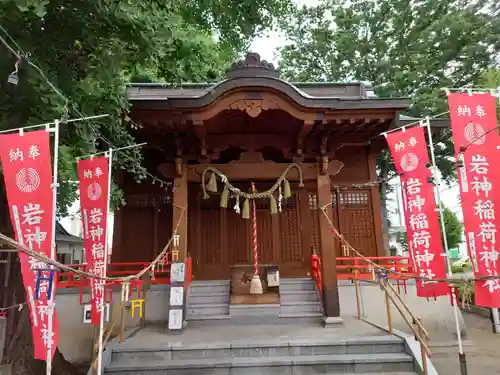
point(267, 45)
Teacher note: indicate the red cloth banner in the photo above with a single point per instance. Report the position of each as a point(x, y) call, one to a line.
point(94, 185)
point(472, 118)
point(411, 159)
point(27, 170)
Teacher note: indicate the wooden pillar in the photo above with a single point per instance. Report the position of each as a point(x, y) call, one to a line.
point(328, 253)
point(180, 200)
point(305, 227)
point(117, 254)
point(381, 249)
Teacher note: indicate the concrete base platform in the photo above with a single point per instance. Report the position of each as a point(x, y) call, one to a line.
point(298, 349)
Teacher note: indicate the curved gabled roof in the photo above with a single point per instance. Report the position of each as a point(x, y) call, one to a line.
point(254, 76)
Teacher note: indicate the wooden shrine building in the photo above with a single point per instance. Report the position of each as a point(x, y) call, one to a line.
point(251, 126)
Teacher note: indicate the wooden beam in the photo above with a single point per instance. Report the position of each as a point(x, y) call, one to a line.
point(180, 214)
point(328, 251)
point(306, 129)
point(376, 208)
point(250, 141)
point(252, 171)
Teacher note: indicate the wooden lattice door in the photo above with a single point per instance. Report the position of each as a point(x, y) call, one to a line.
point(356, 221)
point(294, 259)
point(206, 237)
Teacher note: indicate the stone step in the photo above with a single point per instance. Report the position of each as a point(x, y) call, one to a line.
point(287, 365)
point(209, 282)
point(231, 321)
point(198, 299)
point(298, 294)
point(300, 315)
point(264, 348)
point(301, 307)
point(375, 373)
point(254, 310)
point(298, 280)
point(305, 298)
point(289, 287)
point(205, 287)
point(208, 309)
point(208, 289)
point(210, 319)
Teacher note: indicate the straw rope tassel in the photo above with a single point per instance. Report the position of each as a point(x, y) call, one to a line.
point(255, 284)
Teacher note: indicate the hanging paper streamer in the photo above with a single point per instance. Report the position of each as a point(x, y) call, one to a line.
point(409, 151)
point(26, 164)
point(476, 139)
point(209, 184)
point(94, 181)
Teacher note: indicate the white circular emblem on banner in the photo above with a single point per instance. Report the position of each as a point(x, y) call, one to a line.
point(409, 162)
point(27, 180)
point(94, 191)
point(475, 134)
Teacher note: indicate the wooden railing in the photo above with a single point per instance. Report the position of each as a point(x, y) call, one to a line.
point(346, 267)
point(393, 298)
point(161, 275)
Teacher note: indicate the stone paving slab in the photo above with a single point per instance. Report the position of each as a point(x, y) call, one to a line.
point(154, 335)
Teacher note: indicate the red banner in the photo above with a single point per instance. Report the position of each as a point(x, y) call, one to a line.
point(476, 147)
point(27, 170)
point(409, 151)
point(94, 179)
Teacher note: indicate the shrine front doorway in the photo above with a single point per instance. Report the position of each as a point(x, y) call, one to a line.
point(220, 239)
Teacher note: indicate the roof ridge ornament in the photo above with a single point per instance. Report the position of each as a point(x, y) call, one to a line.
point(252, 66)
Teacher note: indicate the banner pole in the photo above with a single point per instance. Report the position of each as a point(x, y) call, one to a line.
point(51, 301)
point(437, 193)
point(106, 246)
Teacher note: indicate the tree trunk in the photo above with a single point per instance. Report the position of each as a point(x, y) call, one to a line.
point(18, 341)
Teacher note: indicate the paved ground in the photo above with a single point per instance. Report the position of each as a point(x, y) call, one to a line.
point(154, 336)
point(482, 349)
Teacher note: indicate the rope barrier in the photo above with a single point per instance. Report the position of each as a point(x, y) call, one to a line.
point(43, 258)
point(239, 193)
point(388, 270)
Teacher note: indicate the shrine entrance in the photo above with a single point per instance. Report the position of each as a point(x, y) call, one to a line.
point(251, 126)
point(221, 239)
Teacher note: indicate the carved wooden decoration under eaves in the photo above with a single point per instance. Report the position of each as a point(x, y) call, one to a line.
point(254, 107)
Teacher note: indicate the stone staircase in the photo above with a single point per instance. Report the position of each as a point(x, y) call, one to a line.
point(299, 299)
point(208, 300)
point(362, 355)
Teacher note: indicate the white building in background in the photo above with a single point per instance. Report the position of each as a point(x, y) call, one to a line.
point(69, 248)
point(72, 224)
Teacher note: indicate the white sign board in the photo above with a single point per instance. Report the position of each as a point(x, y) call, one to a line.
point(176, 296)
point(86, 312)
point(177, 272)
point(175, 319)
point(273, 278)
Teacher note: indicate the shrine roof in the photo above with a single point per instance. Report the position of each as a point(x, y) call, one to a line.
point(64, 236)
point(255, 76)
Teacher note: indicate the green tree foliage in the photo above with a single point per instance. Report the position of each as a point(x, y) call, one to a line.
point(404, 49)
point(90, 49)
point(490, 79)
point(454, 230)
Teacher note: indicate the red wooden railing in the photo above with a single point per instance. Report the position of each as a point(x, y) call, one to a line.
point(346, 267)
point(316, 272)
point(70, 280)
